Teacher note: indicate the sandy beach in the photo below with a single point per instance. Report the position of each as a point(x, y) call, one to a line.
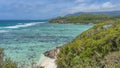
point(49, 59)
point(47, 63)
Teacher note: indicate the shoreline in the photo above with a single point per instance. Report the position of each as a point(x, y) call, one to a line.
point(47, 63)
point(49, 60)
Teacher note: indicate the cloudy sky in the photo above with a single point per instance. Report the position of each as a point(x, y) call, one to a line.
point(44, 9)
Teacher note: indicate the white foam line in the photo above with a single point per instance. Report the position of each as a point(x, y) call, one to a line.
point(22, 25)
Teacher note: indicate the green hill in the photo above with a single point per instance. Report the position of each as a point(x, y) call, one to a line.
point(98, 47)
point(84, 19)
point(111, 13)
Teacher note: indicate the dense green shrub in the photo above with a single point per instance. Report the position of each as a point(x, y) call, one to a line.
point(89, 49)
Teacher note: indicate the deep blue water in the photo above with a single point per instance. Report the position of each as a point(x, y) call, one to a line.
point(15, 22)
point(26, 41)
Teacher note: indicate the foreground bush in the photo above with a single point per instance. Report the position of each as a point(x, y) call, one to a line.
point(90, 49)
point(6, 63)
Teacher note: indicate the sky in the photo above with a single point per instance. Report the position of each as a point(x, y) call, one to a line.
point(46, 9)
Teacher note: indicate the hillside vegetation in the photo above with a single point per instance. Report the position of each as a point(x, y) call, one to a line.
point(84, 19)
point(98, 47)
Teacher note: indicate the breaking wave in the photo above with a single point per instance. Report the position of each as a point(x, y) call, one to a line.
point(23, 25)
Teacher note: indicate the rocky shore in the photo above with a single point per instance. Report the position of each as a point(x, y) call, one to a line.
point(52, 53)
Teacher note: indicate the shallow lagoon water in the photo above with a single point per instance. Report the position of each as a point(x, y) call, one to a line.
point(27, 44)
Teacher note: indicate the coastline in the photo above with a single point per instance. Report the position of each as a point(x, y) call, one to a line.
point(47, 63)
point(49, 59)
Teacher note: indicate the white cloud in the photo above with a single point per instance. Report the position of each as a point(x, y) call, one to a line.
point(108, 5)
point(83, 7)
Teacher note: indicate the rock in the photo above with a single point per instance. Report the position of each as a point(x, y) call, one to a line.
point(52, 53)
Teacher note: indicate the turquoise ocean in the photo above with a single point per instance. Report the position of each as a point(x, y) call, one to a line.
point(25, 41)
